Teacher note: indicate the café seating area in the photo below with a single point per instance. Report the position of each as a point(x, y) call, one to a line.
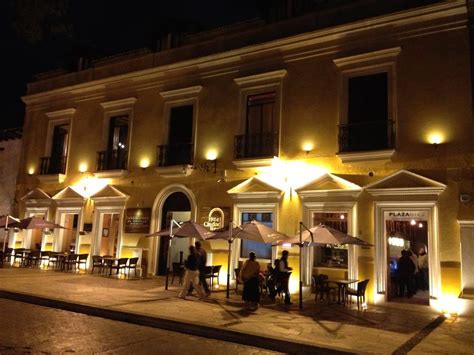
point(105, 265)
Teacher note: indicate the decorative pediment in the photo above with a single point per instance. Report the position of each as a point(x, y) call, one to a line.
point(36, 194)
point(254, 188)
point(68, 195)
point(109, 196)
point(329, 184)
point(405, 182)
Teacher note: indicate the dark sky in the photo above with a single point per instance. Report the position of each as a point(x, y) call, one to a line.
point(41, 35)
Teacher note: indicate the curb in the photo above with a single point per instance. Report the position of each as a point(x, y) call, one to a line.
point(265, 342)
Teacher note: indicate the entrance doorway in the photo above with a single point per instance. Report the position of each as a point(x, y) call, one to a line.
point(67, 237)
point(407, 234)
point(109, 234)
point(178, 207)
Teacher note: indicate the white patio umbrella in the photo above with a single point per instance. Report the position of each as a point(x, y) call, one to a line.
point(5, 221)
point(253, 230)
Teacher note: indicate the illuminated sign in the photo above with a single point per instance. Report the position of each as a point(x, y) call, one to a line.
point(215, 218)
point(137, 220)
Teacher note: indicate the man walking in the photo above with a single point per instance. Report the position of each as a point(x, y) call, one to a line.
point(202, 260)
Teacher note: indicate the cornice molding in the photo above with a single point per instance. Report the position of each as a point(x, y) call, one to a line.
point(245, 164)
point(366, 156)
point(466, 223)
point(382, 55)
point(404, 191)
point(398, 22)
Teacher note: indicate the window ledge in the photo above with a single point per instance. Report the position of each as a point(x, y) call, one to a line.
point(175, 170)
point(110, 174)
point(51, 178)
point(354, 157)
point(253, 163)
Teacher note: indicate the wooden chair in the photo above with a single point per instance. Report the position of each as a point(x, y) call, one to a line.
point(177, 269)
point(20, 255)
point(359, 292)
point(214, 273)
point(32, 258)
point(45, 255)
point(132, 264)
point(70, 261)
point(97, 262)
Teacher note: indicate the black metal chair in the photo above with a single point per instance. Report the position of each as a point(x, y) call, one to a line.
point(82, 260)
point(177, 270)
point(213, 273)
point(70, 261)
point(97, 262)
point(32, 258)
point(359, 292)
point(132, 264)
point(19, 255)
point(45, 255)
point(120, 265)
point(322, 288)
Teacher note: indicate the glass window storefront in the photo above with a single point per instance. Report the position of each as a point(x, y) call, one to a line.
point(263, 251)
point(331, 256)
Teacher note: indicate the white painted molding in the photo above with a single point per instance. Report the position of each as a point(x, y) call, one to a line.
point(245, 164)
point(353, 157)
point(383, 55)
point(180, 93)
point(116, 104)
point(51, 178)
point(407, 191)
point(175, 170)
point(66, 113)
point(273, 76)
point(327, 193)
point(466, 223)
point(110, 174)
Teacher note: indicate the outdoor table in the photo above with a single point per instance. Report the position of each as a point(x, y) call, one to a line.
point(342, 285)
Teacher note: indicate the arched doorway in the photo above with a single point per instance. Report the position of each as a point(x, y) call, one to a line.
point(178, 207)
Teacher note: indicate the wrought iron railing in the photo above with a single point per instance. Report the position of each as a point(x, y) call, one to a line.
point(259, 145)
point(366, 136)
point(174, 154)
point(112, 160)
point(53, 165)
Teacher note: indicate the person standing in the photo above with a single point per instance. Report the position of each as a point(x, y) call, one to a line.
point(423, 269)
point(249, 274)
point(202, 261)
point(284, 275)
point(191, 276)
point(406, 269)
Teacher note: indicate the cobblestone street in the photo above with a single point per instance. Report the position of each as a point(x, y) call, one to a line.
point(36, 329)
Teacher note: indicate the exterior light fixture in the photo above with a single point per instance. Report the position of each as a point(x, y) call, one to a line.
point(420, 225)
point(435, 139)
point(342, 216)
point(82, 168)
point(210, 164)
point(144, 163)
point(31, 171)
point(308, 147)
point(412, 222)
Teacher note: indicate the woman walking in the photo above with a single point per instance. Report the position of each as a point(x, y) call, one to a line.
point(191, 277)
point(249, 274)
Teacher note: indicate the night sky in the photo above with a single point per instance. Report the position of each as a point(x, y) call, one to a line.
point(42, 35)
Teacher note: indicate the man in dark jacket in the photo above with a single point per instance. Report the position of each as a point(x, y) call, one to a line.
point(202, 260)
point(406, 270)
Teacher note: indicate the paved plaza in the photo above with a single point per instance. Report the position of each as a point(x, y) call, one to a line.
point(334, 327)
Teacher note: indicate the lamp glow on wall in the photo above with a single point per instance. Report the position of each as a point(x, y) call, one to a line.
point(31, 170)
point(210, 164)
point(436, 138)
point(308, 147)
point(144, 163)
point(82, 167)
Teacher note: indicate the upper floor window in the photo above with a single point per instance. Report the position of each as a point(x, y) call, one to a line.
point(261, 113)
point(368, 102)
point(116, 138)
point(179, 147)
point(57, 143)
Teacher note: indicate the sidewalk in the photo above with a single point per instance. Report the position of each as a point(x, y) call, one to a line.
point(317, 327)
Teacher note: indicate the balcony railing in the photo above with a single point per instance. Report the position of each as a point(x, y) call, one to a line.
point(174, 154)
point(261, 145)
point(366, 136)
point(112, 160)
point(52, 165)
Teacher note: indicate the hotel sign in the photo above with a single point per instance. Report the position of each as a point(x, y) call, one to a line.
point(215, 218)
point(137, 220)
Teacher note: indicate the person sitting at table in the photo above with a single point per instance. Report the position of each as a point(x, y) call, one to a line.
point(249, 274)
point(191, 276)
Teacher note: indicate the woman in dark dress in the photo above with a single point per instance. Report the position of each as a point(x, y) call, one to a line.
point(249, 274)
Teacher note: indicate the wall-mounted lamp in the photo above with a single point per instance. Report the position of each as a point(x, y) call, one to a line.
point(308, 147)
point(435, 139)
point(210, 164)
point(31, 171)
point(144, 163)
point(82, 168)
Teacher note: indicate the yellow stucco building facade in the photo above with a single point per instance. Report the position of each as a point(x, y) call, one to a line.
point(365, 126)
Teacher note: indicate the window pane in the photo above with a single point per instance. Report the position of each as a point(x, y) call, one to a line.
point(262, 250)
point(331, 256)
